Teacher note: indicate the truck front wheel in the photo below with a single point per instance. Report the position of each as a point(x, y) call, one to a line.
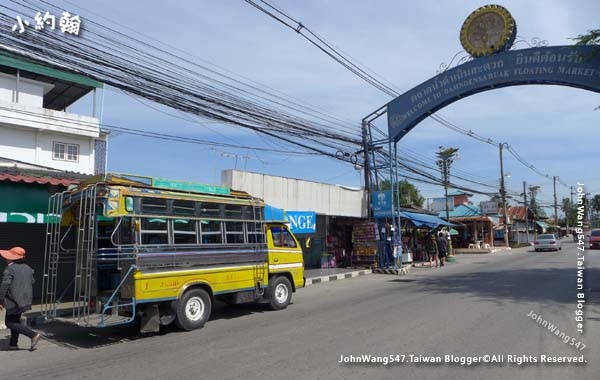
point(193, 309)
point(280, 293)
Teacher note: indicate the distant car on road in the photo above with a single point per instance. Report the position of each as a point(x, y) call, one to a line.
point(594, 239)
point(547, 241)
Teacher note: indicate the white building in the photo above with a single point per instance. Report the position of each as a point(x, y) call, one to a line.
point(43, 148)
point(297, 194)
point(34, 127)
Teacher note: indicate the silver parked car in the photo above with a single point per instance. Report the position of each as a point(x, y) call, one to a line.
point(547, 241)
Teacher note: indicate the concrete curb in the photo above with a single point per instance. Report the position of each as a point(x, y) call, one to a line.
point(335, 277)
point(398, 272)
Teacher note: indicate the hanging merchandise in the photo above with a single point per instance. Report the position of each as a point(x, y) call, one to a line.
point(364, 239)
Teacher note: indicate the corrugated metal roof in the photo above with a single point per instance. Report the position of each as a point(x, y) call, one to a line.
point(515, 212)
point(42, 180)
point(461, 211)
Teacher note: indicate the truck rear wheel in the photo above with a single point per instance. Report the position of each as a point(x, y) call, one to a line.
point(193, 309)
point(280, 293)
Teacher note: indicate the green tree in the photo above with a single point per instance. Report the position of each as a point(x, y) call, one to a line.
point(537, 210)
point(409, 193)
point(591, 38)
point(595, 205)
point(567, 207)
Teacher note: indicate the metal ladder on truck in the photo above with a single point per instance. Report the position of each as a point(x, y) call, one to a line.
point(260, 246)
point(84, 256)
point(52, 256)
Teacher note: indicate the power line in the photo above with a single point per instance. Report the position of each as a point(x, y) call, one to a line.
point(139, 68)
point(334, 53)
point(80, 125)
point(149, 75)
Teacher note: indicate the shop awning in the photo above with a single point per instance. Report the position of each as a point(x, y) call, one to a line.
point(426, 220)
point(542, 224)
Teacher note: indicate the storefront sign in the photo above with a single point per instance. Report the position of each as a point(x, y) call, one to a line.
point(382, 204)
point(489, 207)
point(23, 203)
point(25, 217)
point(302, 222)
point(439, 204)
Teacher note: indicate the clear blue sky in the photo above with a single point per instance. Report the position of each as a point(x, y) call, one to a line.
point(554, 128)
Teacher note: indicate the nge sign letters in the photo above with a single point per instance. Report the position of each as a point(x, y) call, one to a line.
point(302, 222)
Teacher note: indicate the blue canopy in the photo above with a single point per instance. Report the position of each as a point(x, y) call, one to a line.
point(426, 220)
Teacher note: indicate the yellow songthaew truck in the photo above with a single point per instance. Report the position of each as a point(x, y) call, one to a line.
point(121, 248)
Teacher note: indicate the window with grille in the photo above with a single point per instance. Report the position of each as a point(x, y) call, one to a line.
point(156, 206)
point(154, 231)
point(255, 232)
point(234, 232)
point(184, 231)
point(210, 231)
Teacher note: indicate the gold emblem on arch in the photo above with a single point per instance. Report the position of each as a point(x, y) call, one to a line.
point(488, 30)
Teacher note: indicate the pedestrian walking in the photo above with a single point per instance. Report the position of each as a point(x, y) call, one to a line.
point(16, 294)
point(432, 251)
point(442, 244)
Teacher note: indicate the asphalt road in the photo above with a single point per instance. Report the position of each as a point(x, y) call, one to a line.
point(479, 306)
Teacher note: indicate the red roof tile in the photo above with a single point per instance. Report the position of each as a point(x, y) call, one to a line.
point(42, 180)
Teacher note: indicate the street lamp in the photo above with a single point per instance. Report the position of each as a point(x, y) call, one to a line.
point(445, 159)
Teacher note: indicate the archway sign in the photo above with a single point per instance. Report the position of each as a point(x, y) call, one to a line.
point(487, 34)
point(575, 66)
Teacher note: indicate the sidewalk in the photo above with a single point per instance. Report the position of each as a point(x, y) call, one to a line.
point(316, 276)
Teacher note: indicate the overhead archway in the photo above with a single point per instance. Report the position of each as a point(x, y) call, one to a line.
point(574, 66)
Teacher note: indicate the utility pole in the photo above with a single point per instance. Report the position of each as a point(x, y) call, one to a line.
point(556, 207)
point(526, 210)
point(566, 220)
point(588, 208)
point(572, 205)
point(366, 167)
point(503, 195)
point(446, 175)
point(533, 190)
point(445, 159)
